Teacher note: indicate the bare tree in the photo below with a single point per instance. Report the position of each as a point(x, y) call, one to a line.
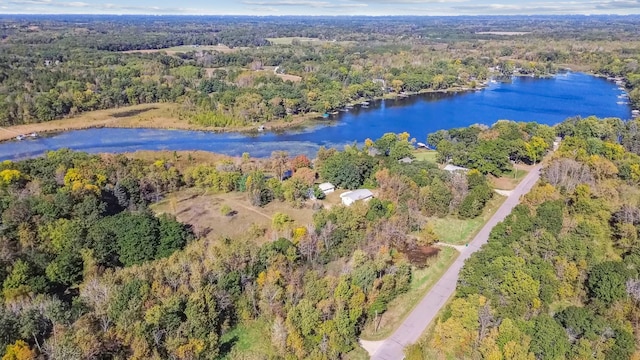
point(568, 173)
point(98, 294)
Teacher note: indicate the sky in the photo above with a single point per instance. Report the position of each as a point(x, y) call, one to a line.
point(322, 7)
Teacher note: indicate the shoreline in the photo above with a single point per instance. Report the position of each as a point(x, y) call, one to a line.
point(53, 127)
point(94, 120)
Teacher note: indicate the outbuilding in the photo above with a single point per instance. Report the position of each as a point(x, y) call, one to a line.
point(327, 188)
point(453, 168)
point(351, 197)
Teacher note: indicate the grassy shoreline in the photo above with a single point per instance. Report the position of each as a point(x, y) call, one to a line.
point(146, 116)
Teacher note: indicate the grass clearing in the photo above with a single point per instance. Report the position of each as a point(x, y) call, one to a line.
point(421, 282)
point(203, 211)
point(426, 155)
point(249, 339)
point(452, 230)
point(357, 354)
point(510, 180)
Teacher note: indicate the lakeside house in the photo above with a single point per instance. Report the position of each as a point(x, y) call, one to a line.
point(453, 168)
point(351, 197)
point(327, 188)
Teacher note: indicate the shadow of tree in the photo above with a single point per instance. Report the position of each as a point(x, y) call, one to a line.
point(128, 113)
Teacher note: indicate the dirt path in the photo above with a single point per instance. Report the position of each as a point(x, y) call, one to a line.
point(254, 210)
point(425, 312)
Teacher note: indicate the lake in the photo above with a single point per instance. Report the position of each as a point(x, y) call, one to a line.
point(547, 101)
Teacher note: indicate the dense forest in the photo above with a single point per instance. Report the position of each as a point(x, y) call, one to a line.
point(559, 277)
point(237, 71)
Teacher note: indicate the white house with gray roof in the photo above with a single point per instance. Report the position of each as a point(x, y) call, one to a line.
point(351, 197)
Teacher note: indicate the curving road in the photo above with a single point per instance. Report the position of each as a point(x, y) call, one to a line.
point(414, 325)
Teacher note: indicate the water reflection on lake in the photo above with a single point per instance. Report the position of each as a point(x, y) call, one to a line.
point(547, 101)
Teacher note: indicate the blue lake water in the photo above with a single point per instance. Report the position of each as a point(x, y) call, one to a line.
point(547, 101)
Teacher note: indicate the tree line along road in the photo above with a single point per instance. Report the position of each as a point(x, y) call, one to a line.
point(423, 314)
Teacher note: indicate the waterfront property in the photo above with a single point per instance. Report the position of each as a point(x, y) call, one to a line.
point(351, 197)
point(327, 188)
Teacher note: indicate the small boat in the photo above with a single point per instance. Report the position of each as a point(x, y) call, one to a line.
point(334, 113)
point(261, 128)
point(364, 103)
point(622, 103)
point(622, 89)
point(34, 134)
point(325, 115)
point(349, 106)
point(20, 137)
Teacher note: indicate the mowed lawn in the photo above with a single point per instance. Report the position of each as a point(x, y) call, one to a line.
point(452, 230)
point(425, 155)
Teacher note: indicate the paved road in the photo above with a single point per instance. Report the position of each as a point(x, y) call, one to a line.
point(415, 324)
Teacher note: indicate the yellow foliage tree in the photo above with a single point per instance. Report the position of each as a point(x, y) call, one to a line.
point(9, 176)
point(20, 350)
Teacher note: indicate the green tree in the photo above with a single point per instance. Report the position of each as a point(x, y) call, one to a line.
point(607, 281)
point(536, 148)
point(137, 237)
point(549, 340)
point(173, 235)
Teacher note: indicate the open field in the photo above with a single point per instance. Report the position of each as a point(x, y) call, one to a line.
point(249, 339)
point(451, 230)
point(180, 159)
point(284, 77)
point(421, 281)
point(425, 155)
point(203, 212)
point(186, 48)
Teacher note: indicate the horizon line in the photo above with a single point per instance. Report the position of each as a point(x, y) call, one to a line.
point(308, 15)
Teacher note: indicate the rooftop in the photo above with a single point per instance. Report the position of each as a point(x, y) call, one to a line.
point(359, 194)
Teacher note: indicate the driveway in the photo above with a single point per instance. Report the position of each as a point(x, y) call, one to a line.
point(423, 314)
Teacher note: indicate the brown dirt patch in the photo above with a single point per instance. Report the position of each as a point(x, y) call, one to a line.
point(202, 211)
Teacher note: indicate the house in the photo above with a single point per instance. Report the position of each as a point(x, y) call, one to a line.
point(405, 160)
point(327, 188)
point(351, 197)
point(453, 168)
